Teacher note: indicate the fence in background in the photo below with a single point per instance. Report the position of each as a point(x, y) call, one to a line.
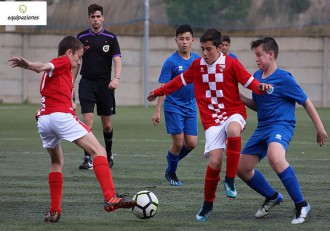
point(307, 58)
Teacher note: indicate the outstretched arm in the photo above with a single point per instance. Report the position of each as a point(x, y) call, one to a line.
point(321, 134)
point(26, 64)
point(168, 88)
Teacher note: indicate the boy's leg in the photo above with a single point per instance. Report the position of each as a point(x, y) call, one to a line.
point(212, 177)
point(174, 127)
point(190, 135)
point(234, 127)
point(103, 173)
point(172, 165)
point(233, 154)
point(55, 180)
point(290, 181)
point(260, 185)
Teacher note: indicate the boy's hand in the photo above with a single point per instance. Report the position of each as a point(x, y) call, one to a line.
point(151, 96)
point(321, 137)
point(264, 87)
point(19, 62)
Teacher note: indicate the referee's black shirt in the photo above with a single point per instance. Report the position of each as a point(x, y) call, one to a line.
point(100, 49)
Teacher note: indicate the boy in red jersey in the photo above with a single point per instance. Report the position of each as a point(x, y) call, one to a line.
point(57, 120)
point(223, 115)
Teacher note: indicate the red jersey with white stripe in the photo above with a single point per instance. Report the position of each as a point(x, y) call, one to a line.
point(216, 88)
point(56, 88)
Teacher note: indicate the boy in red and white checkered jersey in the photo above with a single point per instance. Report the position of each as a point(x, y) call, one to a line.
point(215, 78)
point(57, 120)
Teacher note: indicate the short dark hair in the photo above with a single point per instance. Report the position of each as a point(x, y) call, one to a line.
point(93, 8)
point(268, 44)
point(226, 38)
point(212, 35)
point(69, 42)
point(183, 29)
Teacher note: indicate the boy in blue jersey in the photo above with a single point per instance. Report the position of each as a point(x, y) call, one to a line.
point(179, 107)
point(225, 49)
point(276, 124)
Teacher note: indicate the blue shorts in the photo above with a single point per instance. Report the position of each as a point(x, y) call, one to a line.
point(262, 137)
point(177, 123)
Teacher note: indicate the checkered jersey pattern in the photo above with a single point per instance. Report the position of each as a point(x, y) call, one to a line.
point(213, 76)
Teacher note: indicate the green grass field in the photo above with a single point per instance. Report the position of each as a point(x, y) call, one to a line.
point(140, 149)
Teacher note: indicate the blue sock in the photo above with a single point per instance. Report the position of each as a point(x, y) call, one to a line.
point(183, 152)
point(290, 181)
point(259, 184)
point(172, 162)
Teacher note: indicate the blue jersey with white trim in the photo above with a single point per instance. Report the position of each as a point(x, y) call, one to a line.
point(277, 105)
point(184, 98)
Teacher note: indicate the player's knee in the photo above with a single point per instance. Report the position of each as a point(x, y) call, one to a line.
point(107, 128)
point(190, 145)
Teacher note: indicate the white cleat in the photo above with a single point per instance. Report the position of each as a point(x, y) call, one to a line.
point(301, 215)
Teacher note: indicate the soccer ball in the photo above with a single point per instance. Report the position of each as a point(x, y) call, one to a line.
point(147, 204)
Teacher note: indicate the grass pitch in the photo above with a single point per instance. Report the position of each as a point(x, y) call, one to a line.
point(139, 152)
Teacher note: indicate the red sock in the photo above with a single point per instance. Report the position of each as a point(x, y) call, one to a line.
point(232, 152)
point(212, 178)
point(104, 176)
point(55, 180)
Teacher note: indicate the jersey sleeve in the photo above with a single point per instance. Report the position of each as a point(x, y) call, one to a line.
point(115, 48)
point(292, 90)
point(176, 83)
point(170, 87)
point(245, 78)
point(60, 64)
point(166, 72)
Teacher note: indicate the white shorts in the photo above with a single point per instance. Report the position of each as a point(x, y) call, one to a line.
point(56, 126)
point(215, 136)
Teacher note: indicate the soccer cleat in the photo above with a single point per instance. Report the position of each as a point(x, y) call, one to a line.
point(204, 212)
point(301, 215)
point(52, 217)
point(231, 192)
point(118, 202)
point(172, 179)
point(267, 205)
point(111, 162)
point(87, 164)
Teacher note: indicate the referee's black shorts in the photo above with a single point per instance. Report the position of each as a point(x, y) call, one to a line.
point(97, 92)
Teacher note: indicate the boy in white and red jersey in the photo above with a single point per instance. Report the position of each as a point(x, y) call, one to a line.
point(57, 120)
point(223, 115)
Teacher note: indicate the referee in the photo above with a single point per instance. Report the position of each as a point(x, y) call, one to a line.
point(96, 85)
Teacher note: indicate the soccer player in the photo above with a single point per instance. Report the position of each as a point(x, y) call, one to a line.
point(179, 107)
point(96, 85)
point(57, 120)
point(223, 115)
point(226, 47)
point(276, 124)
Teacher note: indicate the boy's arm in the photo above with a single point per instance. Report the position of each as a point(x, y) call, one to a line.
point(248, 102)
point(74, 72)
point(26, 64)
point(321, 134)
point(167, 88)
point(156, 116)
point(256, 86)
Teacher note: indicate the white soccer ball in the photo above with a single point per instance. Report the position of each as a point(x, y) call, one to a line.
point(147, 204)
